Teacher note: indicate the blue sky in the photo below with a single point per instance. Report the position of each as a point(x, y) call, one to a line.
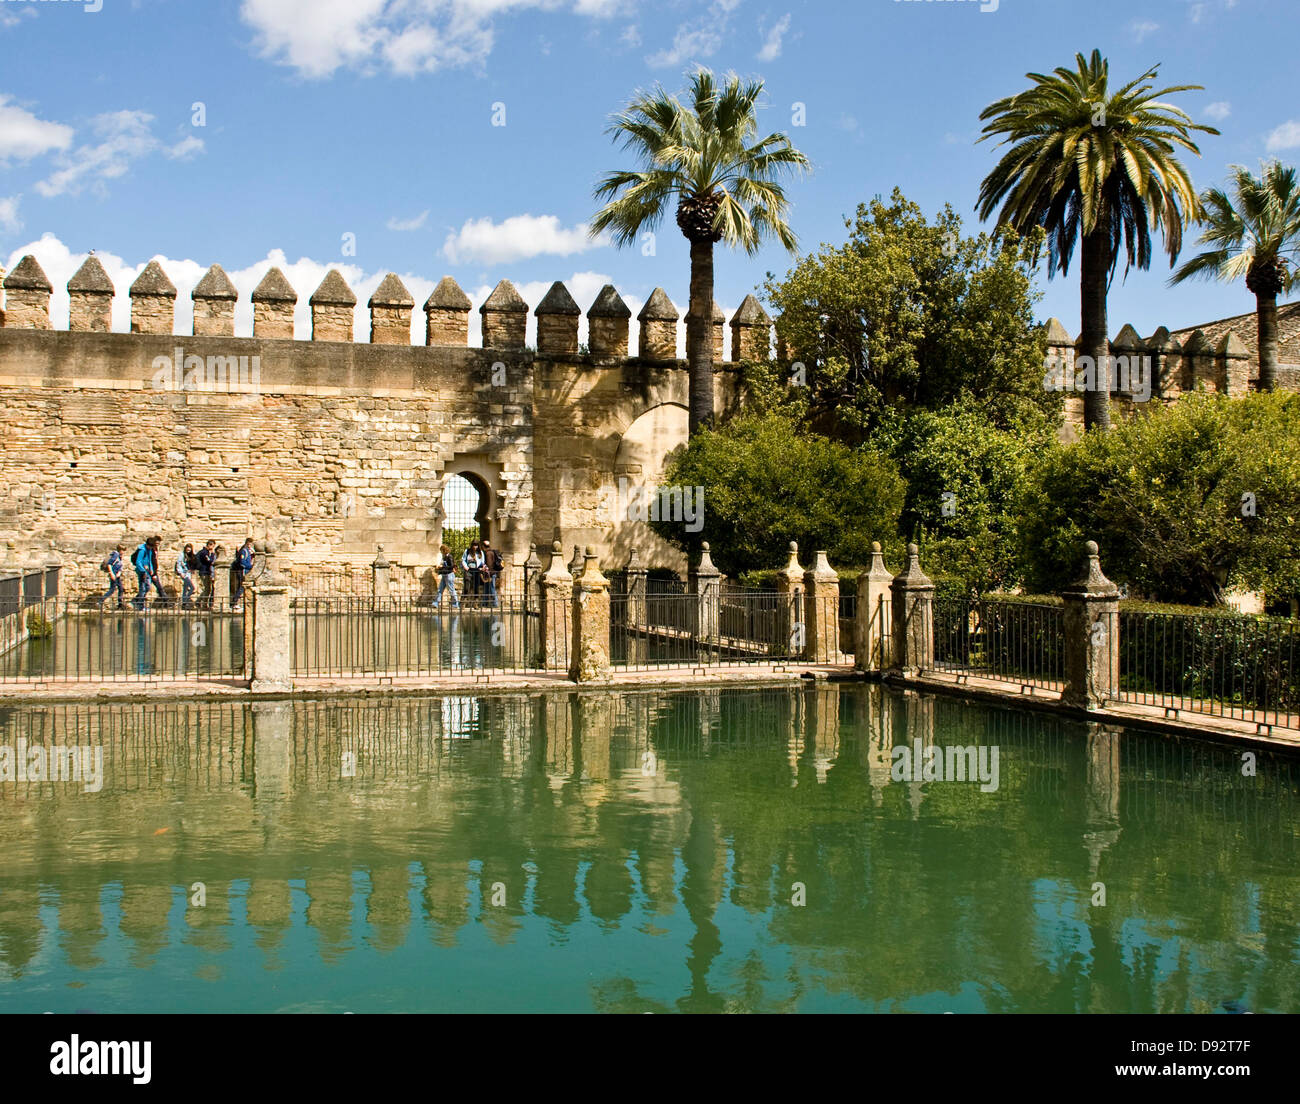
point(374, 118)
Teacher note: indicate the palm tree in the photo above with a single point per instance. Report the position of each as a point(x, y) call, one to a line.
point(1254, 233)
point(704, 153)
point(1098, 166)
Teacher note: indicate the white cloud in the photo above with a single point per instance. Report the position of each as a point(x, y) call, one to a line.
point(631, 37)
point(699, 38)
point(24, 136)
point(124, 137)
point(1142, 29)
point(772, 43)
point(9, 219)
point(395, 223)
point(1219, 110)
point(1286, 136)
point(406, 37)
point(481, 241)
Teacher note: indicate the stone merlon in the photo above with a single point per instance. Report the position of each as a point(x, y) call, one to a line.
point(215, 284)
point(558, 301)
point(609, 304)
point(391, 293)
point(153, 281)
point(658, 308)
point(333, 292)
point(91, 278)
point(274, 288)
point(504, 298)
point(447, 296)
point(28, 276)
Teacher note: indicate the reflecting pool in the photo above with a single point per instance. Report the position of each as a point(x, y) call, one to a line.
point(715, 850)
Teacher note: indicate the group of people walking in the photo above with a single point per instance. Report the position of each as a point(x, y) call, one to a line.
point(481, 569)
point(194, 572)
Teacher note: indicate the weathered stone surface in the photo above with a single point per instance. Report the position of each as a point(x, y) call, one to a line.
point(390, 312)
point(214, 298)
point(505, 318)
point(607, 324)
point(273, 303)
point(822, 589)
point(750, 331)
point(90, 298)
point(153, 301)
point(871, 640)
point(557, 322)
point(1091, 626)
point(912, 601)
point(658, 320)
point(447, 314)
point(27, 296)
point(589, 652)
point(332, 306)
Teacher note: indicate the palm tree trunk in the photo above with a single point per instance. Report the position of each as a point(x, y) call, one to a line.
point(1093, 340)
point(699, 336)
point(1266, 319)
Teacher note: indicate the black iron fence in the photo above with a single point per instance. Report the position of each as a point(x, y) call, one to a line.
point(63, 640)
point(405, 636)
point(1239, 667)
point(1002, 639)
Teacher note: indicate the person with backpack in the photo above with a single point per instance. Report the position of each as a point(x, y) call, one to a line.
point(113, 566)
point(206, 561)
point(145, 561)
point(493, 566)
point(242, 568)
point(185, 573)
point(471, 562)
point(447, 577)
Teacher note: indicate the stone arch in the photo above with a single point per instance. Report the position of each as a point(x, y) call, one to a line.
point(639, 459)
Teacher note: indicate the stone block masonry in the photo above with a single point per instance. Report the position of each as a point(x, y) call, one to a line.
point(333, 446)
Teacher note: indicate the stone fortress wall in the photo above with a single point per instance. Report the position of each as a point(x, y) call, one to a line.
point(332, 446)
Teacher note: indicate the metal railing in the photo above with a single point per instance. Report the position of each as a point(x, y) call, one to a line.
point(404, 636)
point(68, 641)
point(1220, 665)
point(1008, 641)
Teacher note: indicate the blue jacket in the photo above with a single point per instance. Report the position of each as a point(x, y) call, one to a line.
point(144, 561)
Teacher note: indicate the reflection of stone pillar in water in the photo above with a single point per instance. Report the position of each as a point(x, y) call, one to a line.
point(709, 703)
point(208, 925)
point(329, 912)
point(272, 748)
point(919, 709)
point(594, 733)
point(445, 898)
point(1102, 800)
point(880, 740)
point(556, 733)
point(388, 909)
point(270, 910)
point(143, 913)
point(20, 924)
point(82, 925)
point(823, 727)
point(794, 733)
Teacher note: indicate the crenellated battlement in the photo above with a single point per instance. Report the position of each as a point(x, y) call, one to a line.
point(504, 314)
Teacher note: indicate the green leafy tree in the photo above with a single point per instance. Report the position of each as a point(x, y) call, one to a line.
point(767, 482)
point(705, 155)
point(1185, 501)
point(909, 313)
point(1255, 233)
point(1097, 167)
point(965, 480)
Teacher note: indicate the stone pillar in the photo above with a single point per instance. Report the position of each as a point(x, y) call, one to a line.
point(273, 302)
point(214, 298)
point(822, 595)
point(153, 301)
point(658, 320)
point(717, 320)
point(333, 306)
point(1233, 366)
point(505, 318)
point(379, 577)
point(912, 598)
point(751, 337)
point(390, 313)
point(871, 638)
point(636, 575)
point(792, 629)
point(446, 315)
point(706, 584)
point(1166, 359)
point(221, 581)
point(1091, 625)
point(90, 298)
point(27, 296)
point(589, 651)
point(607, 323)
point(557, 322)
point(575, 564)
point(556, 586)
point(532, 581)
point(272, 642)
